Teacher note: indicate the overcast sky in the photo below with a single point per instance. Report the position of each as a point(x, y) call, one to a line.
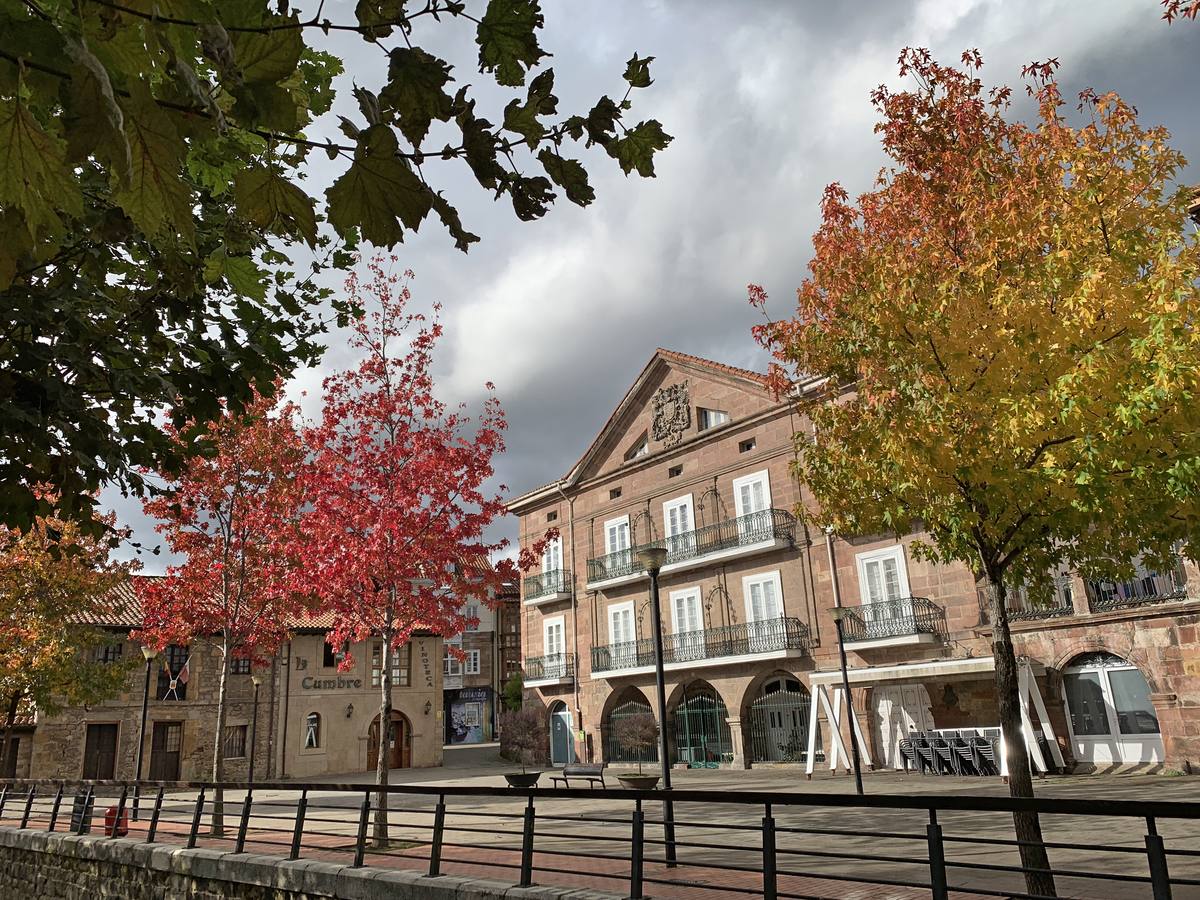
point(767, 102)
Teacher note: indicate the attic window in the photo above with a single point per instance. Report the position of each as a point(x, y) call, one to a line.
point(614, 493)
point(746, 446)
point(552, 517)
point(675, 470)
point(710, 418)
point(640, 448)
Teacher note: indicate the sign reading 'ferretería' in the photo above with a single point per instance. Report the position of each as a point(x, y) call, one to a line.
point(309, 683)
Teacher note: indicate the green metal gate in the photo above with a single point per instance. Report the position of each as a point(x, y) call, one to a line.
point(614, 750)
point(702, 738)
point(779, 727)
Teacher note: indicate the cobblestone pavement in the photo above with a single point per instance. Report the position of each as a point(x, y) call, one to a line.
point(584, 843)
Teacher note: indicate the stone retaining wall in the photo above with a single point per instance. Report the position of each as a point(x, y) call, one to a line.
point(57, 866)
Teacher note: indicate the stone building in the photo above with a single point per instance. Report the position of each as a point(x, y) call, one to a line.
point(696, 458)
point(312, 720)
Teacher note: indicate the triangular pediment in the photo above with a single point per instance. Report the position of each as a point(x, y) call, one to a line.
point(665, 406)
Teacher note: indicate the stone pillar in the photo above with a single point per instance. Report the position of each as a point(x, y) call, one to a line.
point(741, 760)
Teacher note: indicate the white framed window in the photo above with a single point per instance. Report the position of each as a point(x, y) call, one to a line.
point(554, 647)
point(451, 666)
point(616, 535)
point(471, 611)
point(752, 493)
point(472, 664)
point(685, 610)
point(552, 556)
point(640, 447)
point(620, 623)
point(763, 594)
point(679, 524)
point(710, 418)
point(882, 575)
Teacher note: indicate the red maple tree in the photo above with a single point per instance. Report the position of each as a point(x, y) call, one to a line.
point(233, 515)
point(394, 539)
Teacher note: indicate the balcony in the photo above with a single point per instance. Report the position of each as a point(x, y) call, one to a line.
point(756, 532)
point(1149, 588)
point(548, 587)
point(544, 671)
point(744, 642)
point(894, 623)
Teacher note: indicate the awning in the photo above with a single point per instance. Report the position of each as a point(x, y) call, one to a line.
point(940, 668)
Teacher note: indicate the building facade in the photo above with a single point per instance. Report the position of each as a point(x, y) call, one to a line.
point(697, 458)
point(312, 719)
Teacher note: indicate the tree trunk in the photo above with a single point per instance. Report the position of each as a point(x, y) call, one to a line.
point(9, 720)
point(385, 741)
point(218, 764)
point(1026, 825)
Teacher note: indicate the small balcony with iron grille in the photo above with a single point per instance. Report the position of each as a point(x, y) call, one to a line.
point(756, 532)
point(1145, 589)
point(546, 671)
point(780, 638)
point(546, 588)
point(894, 623)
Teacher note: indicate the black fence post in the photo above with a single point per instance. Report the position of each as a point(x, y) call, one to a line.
point(28, 806)
point(1156, 854)
point(240, 845)
point(85, 815)
point(360, 847)
point(770, 876)
point(298, 833)
point(3, 799)
point(435, 845)
point(58, 795)
point(937, 859)
point(116, 826)
point(196, 816)
point(154, 815)
point(637, 852)
point(527, 846)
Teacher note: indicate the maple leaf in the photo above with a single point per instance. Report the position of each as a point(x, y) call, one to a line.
point(507, 38)
point(379, 194)
point(415, 91)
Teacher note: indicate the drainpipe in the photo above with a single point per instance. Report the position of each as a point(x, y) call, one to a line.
point(574, 606)
point(287, 693)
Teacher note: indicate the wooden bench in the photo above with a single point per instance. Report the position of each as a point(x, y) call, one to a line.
point(592, 772)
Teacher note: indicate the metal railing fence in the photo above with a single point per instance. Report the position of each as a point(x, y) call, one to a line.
point(741, 639)
point(743, 531)
point(546, 583)
point(894, 618)
point(554, 665)
point(727, 844)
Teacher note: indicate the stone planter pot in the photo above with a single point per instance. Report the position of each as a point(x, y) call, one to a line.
point(638, 782)
point(522, 779)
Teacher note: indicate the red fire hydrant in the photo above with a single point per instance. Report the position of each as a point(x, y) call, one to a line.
point(114, 828)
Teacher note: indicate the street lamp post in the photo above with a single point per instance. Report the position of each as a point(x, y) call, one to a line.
point(148, 653)
point(257, 679)
point(839, 613)
point(652, 559)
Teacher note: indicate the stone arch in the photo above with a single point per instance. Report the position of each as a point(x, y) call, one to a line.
point(630, 700)
point(1111, 709)
point(775, 718)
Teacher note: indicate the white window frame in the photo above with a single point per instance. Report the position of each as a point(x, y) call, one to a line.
point(763, 577)
point(553, 549)
point(686, 592)
point(738, 483)
point(702, 420)
point(668, 505)
point(452, 666)
point(547, 626)
point(471, 666)
point(613, 610)
point(473, 610)
point(619, 520)
point(895, 551)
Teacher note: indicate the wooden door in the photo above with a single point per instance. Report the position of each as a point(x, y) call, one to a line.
point(100, 752)
point(400, 749)
point(165, 751)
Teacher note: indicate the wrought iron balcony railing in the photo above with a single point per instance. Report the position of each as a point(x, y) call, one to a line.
point(742, 639)
point(547, 583)
point(901, 617)
point(752, 528)
point(1054, 601)
point(1152, 587)
point(555, 665)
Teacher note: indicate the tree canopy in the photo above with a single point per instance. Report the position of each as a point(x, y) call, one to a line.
point(156, 233)
point(997, 345)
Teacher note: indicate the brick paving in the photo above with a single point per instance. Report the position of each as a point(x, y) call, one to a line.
point(483, 837)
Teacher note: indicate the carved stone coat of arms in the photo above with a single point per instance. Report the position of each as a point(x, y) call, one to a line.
point(672, 414)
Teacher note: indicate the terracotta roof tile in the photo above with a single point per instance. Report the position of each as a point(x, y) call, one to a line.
point(715, 366)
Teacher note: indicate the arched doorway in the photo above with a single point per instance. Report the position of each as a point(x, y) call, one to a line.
point(1111, 718)
point(778, 720)
point(400, 743)
point(562, 746)
point(632, 703)
point(701, 729)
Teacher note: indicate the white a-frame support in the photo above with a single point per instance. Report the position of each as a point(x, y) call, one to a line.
point(833, 713)
point(1027, 690)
